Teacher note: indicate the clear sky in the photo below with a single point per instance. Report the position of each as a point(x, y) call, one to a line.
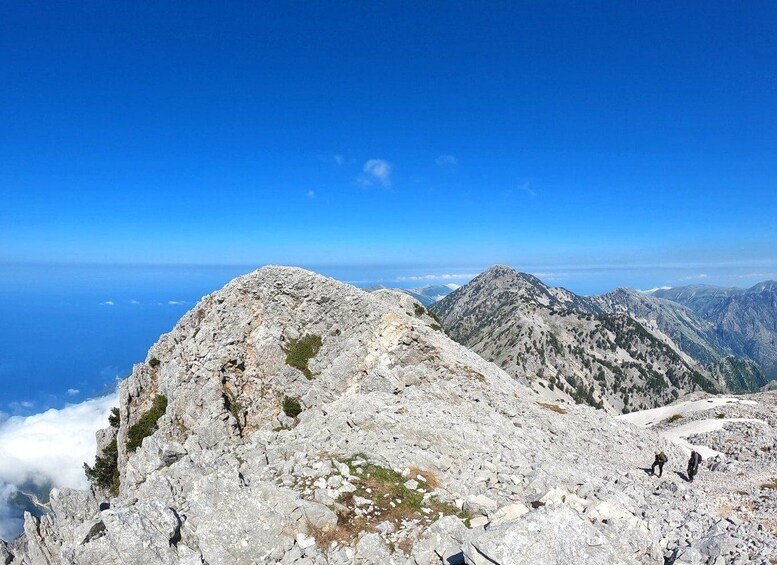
point(557, 137)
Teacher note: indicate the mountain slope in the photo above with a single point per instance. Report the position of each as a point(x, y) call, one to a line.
point(289, 418)
point(540, 334)
point(745, 320)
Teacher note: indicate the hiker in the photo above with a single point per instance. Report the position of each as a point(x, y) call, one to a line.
point(693, 465)
point(659, 462)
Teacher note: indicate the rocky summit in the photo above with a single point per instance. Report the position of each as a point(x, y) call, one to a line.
point(290, 418)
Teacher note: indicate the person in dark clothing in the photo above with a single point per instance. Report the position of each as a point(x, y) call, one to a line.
point(659, 462)
point(693, 465)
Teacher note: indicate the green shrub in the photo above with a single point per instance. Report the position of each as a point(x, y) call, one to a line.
point(154, 362)
point(147, 423)
point(291, 406)
point(105, 473)
point(302, 350)
point(419, 310)
point(675, 417)
point(114, 418)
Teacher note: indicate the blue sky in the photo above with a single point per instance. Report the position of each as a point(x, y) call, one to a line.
point(601, 144)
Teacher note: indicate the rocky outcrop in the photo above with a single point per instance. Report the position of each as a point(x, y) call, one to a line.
point(290, 418)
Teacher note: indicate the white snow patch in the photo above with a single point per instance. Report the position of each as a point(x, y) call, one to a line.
point(649, 418)
point(678, 434)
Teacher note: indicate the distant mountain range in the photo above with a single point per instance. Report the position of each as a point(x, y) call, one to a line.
point(426, 295)
point(623, 350)
point(744, 321)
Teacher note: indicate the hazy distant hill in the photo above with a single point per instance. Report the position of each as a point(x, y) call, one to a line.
point(429, 294)
point(744, 320)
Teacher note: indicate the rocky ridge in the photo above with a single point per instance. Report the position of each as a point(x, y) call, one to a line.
point(308, 422)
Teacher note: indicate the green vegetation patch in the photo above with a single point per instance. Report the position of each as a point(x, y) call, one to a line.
point(114, 418)
point(302, 350)
point(291, 406)
point(391, 500)
point(675, 417)
point(147, 423)
point(105, 473)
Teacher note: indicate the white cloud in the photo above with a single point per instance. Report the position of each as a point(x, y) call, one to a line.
point(107, 303)
point(72, 391)
point(446, 161)
point(700, 276)
point(176, 302)
point(376, 171)
point(440, 277)
point(654, 289)
point(134, 302)
point(310, 194)
point(48, 448)
point(54, 444)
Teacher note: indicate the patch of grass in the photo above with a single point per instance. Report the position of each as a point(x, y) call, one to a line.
point(302, 350)
point(105, 473)
point(553, 407)
point(291, 406)
point(429, 479)
point(675, 417)
point(146, 425)
point(391, 500)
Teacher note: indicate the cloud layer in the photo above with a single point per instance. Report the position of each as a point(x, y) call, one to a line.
point(48, 448)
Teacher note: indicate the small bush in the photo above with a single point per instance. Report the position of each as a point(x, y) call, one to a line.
point(105, 473)
point(291, 406)
point(418, 309)
point(675, 418)
point(154, 362)
point(302, 350)
point(147, 423)
point(114, 418)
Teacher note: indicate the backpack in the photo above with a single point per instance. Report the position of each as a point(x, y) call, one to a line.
point(661, 458)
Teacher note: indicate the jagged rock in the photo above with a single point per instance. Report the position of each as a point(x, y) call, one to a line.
point(5, 554)
point(555, 534)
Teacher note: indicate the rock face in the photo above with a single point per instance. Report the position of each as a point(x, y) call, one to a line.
point(290, 418)
point(745, 320)
point(570, 346)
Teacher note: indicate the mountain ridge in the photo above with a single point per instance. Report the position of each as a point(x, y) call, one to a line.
point(289, 418)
